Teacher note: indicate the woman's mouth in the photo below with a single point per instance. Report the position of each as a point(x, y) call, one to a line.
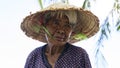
point(60, 38)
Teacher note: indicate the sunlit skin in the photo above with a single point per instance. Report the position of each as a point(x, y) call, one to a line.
point(60, 30)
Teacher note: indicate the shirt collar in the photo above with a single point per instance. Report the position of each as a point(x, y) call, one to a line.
point(45, 61)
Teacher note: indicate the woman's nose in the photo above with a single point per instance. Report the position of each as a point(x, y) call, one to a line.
point(60, 31)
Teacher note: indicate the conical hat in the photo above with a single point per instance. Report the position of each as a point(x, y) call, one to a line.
point(86, 23)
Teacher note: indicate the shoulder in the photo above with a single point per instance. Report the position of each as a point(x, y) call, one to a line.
point(77, 49)
point(76, 57)
point(31, 57)
point(34, 56)
point(36, 52)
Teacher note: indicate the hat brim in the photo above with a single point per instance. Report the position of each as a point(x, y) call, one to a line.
point(87, 23)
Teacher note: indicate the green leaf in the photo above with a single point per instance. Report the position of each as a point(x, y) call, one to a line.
point(46, 31)
point(108, 25)
point(40, 2)
point(104, 33)
point(65, 1)
point(36, 28)
point(118, 28)
point(84, 4)
point(80, 36)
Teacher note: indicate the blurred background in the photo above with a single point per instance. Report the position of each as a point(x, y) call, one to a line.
point(103, 48)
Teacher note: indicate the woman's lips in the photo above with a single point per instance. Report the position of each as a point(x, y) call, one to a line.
point(60, 38)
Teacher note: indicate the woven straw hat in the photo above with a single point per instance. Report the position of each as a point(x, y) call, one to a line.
point(86, 23)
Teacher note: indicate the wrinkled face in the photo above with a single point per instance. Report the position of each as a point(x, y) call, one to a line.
point(60, 30)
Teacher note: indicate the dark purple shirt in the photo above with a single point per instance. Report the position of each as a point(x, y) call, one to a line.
point(71, 57)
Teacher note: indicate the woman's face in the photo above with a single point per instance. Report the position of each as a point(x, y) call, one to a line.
point(60, 30)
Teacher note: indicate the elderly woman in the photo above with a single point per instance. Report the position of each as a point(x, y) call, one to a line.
point(60, 25)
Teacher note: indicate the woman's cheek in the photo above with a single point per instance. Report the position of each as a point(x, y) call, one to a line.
point(52, 30)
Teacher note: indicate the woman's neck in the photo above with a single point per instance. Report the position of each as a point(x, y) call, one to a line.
point(54, 49)
point(53, 52)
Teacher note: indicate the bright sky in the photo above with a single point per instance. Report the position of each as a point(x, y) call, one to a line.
point(15, 46)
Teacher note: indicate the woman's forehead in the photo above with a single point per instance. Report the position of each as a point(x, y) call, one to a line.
point(71, 16)
point(60, 15)
point(60, 19)
point(56, 16)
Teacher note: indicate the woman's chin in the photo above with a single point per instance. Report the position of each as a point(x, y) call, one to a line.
point(59, 41)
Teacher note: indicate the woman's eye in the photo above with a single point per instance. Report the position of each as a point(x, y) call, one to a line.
point(56, 22)
point(68, 25)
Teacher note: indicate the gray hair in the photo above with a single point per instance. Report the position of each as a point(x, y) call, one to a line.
point(72, 16)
